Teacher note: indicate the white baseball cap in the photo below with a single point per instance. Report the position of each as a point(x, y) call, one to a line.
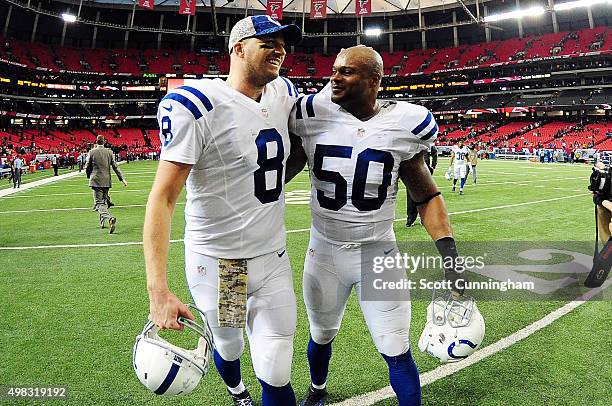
point(262, 25)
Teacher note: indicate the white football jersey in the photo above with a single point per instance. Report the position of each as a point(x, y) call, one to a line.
point(238, 148)
point(461, 154)
point(354, 164)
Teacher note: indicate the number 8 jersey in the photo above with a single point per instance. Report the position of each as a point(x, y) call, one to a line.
point(354, 164)
point(238, 148)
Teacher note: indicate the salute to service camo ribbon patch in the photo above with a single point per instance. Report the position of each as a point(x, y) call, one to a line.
point(232, 292)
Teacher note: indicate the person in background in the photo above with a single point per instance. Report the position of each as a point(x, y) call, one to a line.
point(473, 160)
point(55, 163)
point(99, 163)
point(17, 167)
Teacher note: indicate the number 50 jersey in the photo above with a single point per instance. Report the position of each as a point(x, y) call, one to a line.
point(238, 148)
point(354, 164)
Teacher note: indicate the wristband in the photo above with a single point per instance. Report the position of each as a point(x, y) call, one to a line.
point(448, 250)
point(427, 199)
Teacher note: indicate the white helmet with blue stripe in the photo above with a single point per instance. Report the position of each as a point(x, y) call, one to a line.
point(454, 329)
point(166, 369)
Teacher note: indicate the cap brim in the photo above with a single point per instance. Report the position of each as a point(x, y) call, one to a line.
point(291, 33)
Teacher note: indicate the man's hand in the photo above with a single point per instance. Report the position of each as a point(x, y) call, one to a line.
point(166, 308)
point(124, 182)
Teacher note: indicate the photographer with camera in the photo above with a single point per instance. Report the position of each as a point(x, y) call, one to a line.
point(601, 186)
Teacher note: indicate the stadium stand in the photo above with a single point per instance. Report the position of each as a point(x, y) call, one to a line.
point(301, 64)
point(92, 112)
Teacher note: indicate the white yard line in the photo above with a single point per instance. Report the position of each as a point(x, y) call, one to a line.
point(68, 185)
point(68, 209)
point(36, 183)
point(113, 191)
point(445, 370)
point(136, 172)
point(301, 230)
point(44, 181)
point(511, 205)
point(121, 190)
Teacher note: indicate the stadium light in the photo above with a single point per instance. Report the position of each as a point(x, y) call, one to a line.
point(579, 3)
point(69, 18)
point(373, 32)
point(528, 12)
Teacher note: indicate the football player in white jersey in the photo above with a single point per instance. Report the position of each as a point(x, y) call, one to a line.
point(459, 157)
point(357, 148)
point(228, 142)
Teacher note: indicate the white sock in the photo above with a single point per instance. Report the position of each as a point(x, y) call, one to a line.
point(238, 389)
point(319, 386)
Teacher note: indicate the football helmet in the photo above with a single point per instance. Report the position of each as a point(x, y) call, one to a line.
point(448, 175)
point(166, 369)
point(454, 329)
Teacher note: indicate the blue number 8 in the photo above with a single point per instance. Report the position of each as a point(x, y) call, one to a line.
point(166, 130)
point(269, 164)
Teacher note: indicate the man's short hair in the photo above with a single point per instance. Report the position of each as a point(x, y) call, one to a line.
point(100, 140)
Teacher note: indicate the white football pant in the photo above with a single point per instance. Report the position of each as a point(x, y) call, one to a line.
point(271, 312)
point(460, 171)
point(330, 273)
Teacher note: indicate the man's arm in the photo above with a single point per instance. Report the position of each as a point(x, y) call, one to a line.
point(421, 186)
point(297, 158)
point(164, 306)
point(432, 209)
point(452, 158)
point(116, 169)
point(88, 165)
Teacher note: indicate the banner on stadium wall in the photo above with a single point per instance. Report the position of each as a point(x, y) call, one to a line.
point(274, 8)
point(318, 9)
point(363, 7)
point(47, 117)
point(61, 86)
point(510, 79)
point(500, 110)
point(187, 7)
point(147, 4)
point(138, 88)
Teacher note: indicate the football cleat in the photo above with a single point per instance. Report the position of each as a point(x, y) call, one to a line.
point(242, 399)
point(454, 329)
point(166, 369)
point(314, 397)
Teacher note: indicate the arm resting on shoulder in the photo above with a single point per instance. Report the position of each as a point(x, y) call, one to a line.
point(297, 158)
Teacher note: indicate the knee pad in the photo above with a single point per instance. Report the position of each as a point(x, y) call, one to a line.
point(323, 337)
point(272, 360)
point(229, 342)
point(392, 344)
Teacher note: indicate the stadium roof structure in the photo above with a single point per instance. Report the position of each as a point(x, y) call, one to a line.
point(334, 7)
